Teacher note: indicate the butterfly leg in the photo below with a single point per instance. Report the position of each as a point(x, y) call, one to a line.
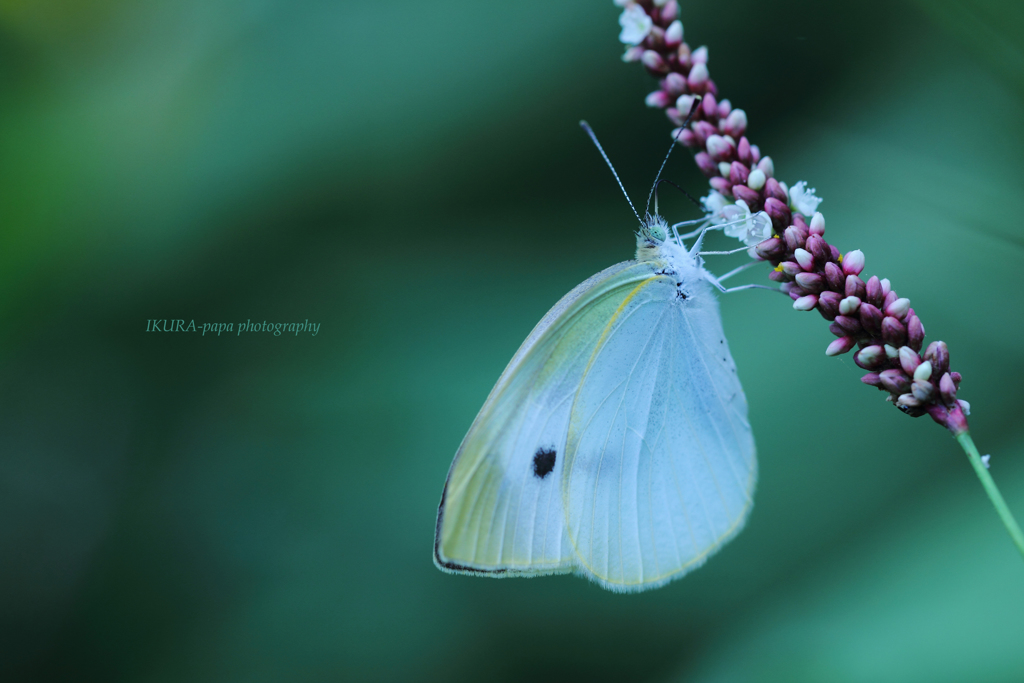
point(729, 290)
point(736, 271)
point(680, 238)
point(723, 253)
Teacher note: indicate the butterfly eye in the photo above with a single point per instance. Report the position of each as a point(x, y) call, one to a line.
point(655, 232)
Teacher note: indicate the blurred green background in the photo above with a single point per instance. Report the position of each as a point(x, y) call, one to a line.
point(411, 175)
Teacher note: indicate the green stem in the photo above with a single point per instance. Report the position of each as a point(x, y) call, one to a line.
point(967, 443)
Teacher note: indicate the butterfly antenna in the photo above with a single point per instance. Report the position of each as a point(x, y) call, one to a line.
point(586, 127)
point(654, 187)
point(688, 195)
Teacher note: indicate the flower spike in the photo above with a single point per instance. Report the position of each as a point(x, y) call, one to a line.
point(813, 273)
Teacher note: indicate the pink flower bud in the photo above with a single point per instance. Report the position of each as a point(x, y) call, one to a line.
point(793, 239)
point(837, 329)
point(870, 357)
point(948, 389)
point(853, 262)
point(855, 287)
point(771, 248)
point(791, 268)
point(683, 56)
point(907, 400)
point(709, 105)
point(828, 305)
point(668, 13)
point(872, 379)
point(720, 148)
point(840, 346)
point(772, 188)
point(898, 308)
point(923, 390)
point(736, 123)
point(721, 185)
point(817, 224)
point(750, 196)
point(849, 306)
point(656, 38)
point(938, 354)
point(738, 173)
point(804, 258)
point(812, 282)
point(874, 291)
point(674, 34)
point(886, 287)
point(653, 61)
point(704, 130)
point(700, 55)
point(894, 381)
point(909, 360)
point(834, 277)
point(778, 212)
point(850, 324)
point(818, 248)
point(756, 179)
point(633, 54)
point(684, 103)
point(893, 331)
point(706, 165)
point(743, 151)
point(871, 318)
point(675, 84)
point(659, 99)
point(915, 333)
point(805, 303)
point(923, 371)
point(698, 78)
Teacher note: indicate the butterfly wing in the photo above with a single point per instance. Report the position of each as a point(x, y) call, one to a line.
point(660, 463)
point(501, 511)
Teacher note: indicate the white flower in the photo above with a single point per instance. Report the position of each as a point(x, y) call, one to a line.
point(737, 220)
point(746, 227)
point(803, 200)
point(713, 204)
point(635, 25)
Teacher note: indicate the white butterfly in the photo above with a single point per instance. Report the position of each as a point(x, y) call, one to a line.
point(616, 443)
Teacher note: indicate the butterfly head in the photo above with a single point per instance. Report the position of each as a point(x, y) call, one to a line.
point(653, 230)
point(654, 245)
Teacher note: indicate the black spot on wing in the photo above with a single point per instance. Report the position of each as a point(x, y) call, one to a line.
point(543, 462)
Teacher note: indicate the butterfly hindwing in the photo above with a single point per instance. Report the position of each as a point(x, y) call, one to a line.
point(660, 464)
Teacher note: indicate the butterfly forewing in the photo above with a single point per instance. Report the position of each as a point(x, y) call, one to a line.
point(502, 510)
point(660, 463)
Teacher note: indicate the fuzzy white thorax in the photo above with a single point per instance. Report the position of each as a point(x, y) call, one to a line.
point(653, 243)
